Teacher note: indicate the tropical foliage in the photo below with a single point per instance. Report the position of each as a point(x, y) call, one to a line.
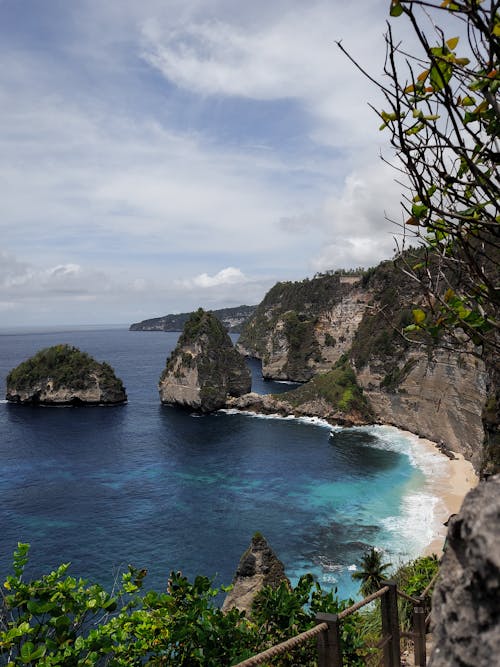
point(443, 118)
point(371, 572)
point(63, 365)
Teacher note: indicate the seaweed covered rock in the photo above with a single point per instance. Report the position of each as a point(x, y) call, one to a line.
point(204, 369)
point(63, 375)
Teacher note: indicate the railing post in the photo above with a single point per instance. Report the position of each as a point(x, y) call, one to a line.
point(329, 651)
point(419, 632)
point(390, 625)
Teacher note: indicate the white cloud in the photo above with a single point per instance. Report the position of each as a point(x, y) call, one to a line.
point(228, 276)
point(124, 165)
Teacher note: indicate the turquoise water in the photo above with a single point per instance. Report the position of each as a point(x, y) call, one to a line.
point(165, 489)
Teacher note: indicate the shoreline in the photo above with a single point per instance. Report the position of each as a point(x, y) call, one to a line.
point(455, 478)
point(447, 481)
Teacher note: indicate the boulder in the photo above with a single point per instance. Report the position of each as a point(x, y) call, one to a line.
point(466, 600)
point(258, 567)
point(205, 368)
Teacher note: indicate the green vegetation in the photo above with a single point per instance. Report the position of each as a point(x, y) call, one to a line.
point(299, 304)
point(371, 572)
point(338, 387)
point(63, 366)
point(60, 620)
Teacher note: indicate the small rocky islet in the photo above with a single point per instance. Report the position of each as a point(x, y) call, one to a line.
point(63, 375)
point(204, 369)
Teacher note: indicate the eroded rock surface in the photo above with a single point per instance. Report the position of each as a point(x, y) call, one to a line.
point(466, 600)
point(204, 369)
point(63, 375)
point(258, 567)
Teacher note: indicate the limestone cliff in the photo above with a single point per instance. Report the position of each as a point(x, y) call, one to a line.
point(258, 567)
point(62, 375)
point(334, 396)
point(301, 329)
point(204, 369)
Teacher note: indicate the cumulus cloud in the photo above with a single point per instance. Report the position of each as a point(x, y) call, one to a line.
point(228, 276)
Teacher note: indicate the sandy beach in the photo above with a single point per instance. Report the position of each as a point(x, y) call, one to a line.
point(451, 486)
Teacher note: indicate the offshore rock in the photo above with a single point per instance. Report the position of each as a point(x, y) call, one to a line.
point(465, 603)
point(204, 369)
point(258, 567)
point(63, 375)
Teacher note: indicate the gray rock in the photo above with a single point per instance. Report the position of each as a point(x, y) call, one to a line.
point(466, 601)
point(204, 369)
point(258, 567)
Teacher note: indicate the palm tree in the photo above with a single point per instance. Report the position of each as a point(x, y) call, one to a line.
point(371, 572)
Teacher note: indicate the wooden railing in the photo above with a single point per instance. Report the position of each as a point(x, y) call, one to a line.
point(328, 632)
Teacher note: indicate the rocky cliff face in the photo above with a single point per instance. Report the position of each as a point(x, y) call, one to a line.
point(301, 329)
point(258, 567)
point(62, 375)
point(438, 395)
point(204, 369)
point(465, 603)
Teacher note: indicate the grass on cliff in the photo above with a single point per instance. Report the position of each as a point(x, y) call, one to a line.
point(63, 365)
point(338, 387)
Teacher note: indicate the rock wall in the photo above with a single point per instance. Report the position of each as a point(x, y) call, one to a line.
point(465, 603)
point(440, 396)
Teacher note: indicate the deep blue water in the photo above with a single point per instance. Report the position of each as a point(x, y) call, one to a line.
point(164, 489)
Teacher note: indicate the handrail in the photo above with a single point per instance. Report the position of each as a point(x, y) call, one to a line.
point(392, 632)
point(363, 602)
point(283, 647)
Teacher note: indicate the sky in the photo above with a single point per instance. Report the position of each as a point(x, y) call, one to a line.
point(162, 155)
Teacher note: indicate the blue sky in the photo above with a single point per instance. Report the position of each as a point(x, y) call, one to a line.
point(161, 155)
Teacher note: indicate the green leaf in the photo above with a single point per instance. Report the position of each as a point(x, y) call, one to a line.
point(418, 210)
point(396, 8)
point(451, 43)
point(418, 315)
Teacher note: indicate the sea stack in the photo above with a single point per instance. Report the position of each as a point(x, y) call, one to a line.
point(63, 375)
point(258, 567)
point(205, 368)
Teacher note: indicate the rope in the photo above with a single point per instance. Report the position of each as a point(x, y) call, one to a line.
point(358, 605)
point(433, 581)
point(289, 644)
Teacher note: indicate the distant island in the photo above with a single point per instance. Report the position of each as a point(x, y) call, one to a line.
point(233, 320)
point(63, 375)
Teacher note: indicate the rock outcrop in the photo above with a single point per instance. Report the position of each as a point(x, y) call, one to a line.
point(465, 603)
point(205, 368)
point(334, 397)
point(63, 375)
point(301, 329)
point(258, 567)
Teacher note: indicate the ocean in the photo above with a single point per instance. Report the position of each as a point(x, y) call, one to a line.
point(164, 489)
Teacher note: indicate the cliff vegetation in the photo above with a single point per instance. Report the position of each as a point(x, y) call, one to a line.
point(64, 374)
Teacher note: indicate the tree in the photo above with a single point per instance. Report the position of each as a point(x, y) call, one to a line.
point(371, 573)
point(443, 117)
